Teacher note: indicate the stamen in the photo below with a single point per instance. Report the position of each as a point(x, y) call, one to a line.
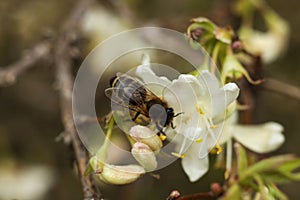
point(211, 123)
point(219, 149)
point(209, 126)
point(178, 155)
point(187, 118)
point(216, 149)
point(183, 146)
point(213, 126)
point(200, 110)
point(199, 140)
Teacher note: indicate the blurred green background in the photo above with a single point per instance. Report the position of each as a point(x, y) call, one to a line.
point(30, 115)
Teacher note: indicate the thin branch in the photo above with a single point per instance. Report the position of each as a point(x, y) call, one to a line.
point(215, 193)
point(282, 88)
point(63, 63)
point(10, 73)
point(197, 196)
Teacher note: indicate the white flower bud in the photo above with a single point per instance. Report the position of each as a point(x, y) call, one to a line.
point(120, 175)
point(144, 155)
point(145, 135)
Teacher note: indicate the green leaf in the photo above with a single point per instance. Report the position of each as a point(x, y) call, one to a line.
point(290, 166)
point(234, 192)
point(284, 173)
point(278, 177)
point(262, 188)
point(269, 164)
point(276, 192)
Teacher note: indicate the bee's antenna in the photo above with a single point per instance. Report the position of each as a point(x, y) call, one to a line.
point(178, 114)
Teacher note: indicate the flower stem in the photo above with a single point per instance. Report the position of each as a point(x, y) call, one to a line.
point(102, 152)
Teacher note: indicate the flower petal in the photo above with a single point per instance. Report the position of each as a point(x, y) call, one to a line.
point(193, 166)
point(260, 138)
point(227, 129)
point(216, 98)
point(231, 92)
point(145, 72)
point(209, 80)
point(184, 90)
point(222, 98)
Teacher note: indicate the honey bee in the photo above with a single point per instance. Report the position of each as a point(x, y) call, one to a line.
point(132, 94)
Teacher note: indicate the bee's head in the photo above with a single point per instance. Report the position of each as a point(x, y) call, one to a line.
point(170, 113)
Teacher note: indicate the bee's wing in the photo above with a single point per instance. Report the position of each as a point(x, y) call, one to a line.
point(119, 99)
point(112, 94)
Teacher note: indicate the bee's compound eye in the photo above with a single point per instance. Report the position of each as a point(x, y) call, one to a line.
point(170, 111)
point(158, 114)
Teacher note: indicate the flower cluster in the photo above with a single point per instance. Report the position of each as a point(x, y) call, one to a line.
point(203, 124)
point(203, 102)
point(202, 109)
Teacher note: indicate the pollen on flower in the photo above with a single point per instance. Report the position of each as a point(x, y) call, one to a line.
point(186, 120)
point(200, 110)
point(162, 137)
point(178, 155)
point(216, 150)
point(213, 126)
point(199, 140)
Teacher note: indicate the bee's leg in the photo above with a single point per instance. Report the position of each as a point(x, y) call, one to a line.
point(172, 125)
point(162, 135)
point(136, 116)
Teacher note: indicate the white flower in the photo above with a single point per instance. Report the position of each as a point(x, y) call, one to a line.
point(261, 138)
point(203, 102)
point(271, 44)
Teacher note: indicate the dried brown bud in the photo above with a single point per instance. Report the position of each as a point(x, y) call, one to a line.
point(196, 33)
point(216, 188)
point(237, 46)
point(173, 195)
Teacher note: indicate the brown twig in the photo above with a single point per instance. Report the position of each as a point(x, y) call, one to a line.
point(63, 63)
point(216, 191)
point(197, 196)
point(281, 88)
point(10, 73)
